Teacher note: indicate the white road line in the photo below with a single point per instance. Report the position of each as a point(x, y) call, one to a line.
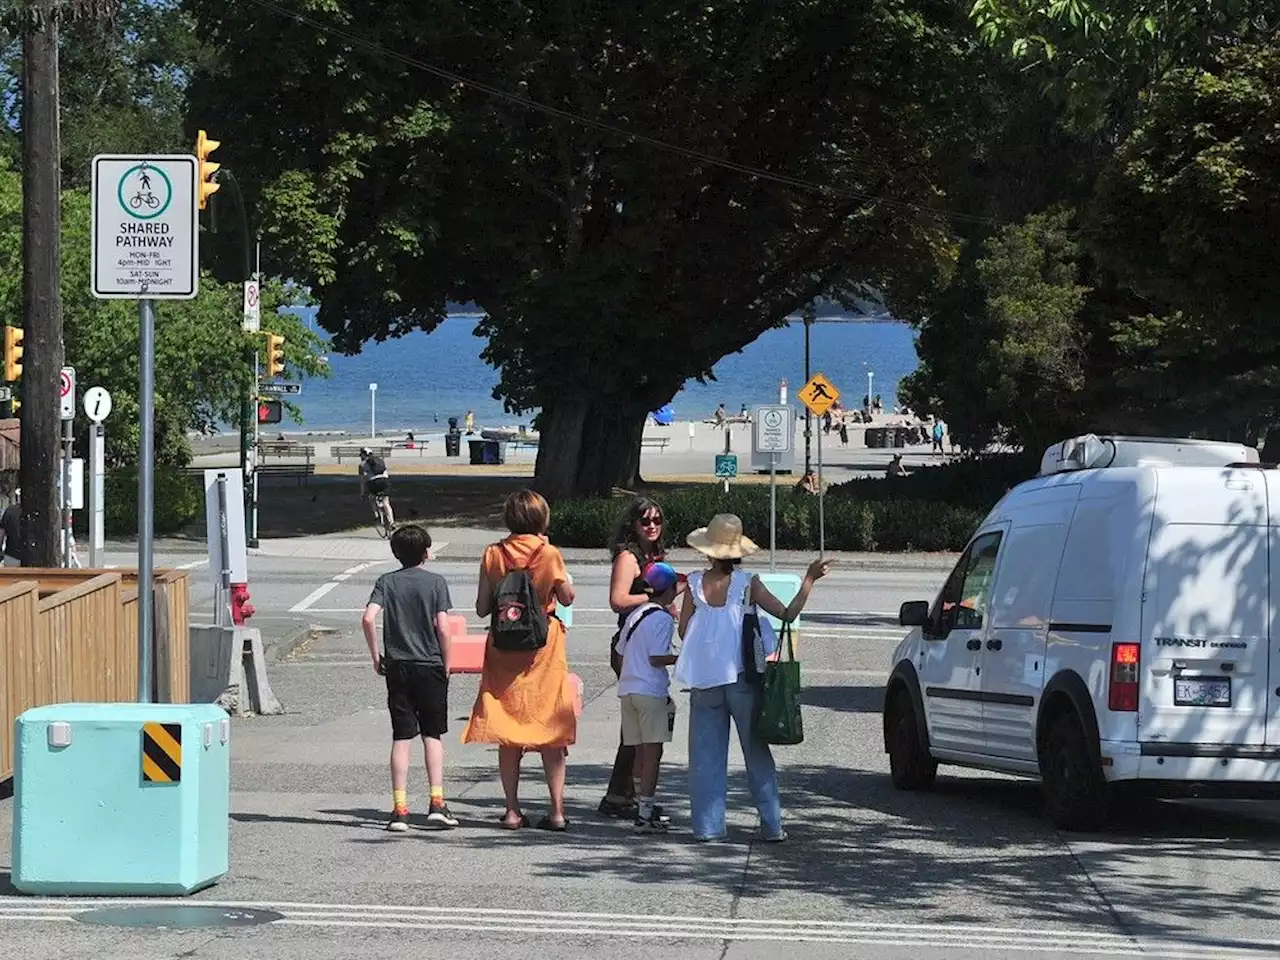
point(304, 606)
point(193, 564)
point(487, 920)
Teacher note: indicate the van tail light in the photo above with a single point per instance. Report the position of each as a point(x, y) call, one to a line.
point(1123, 693)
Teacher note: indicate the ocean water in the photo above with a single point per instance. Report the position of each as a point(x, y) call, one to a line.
point(423, 379)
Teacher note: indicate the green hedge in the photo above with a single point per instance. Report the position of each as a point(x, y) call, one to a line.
point(851, 525)
point(977, 482)
point(179, 501)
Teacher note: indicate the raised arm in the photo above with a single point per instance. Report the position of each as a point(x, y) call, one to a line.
point(771, 605)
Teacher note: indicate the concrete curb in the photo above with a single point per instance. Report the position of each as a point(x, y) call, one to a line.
point(276, 650)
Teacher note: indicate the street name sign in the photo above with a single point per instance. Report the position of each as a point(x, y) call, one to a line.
point(145, 237)
point(773, 432)
point(67, 393)
point(276, 388)
point(726, 466)
point(819, 394)
point(97, 404)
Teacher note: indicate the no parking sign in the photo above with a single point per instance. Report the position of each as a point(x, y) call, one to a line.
point(67, 393)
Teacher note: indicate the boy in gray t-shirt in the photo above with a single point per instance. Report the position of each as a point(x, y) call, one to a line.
point(414, 658)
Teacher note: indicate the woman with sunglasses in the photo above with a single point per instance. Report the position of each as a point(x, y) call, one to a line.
point(637, 543)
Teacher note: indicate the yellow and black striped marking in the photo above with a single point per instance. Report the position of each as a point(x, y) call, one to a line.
point(162, 752)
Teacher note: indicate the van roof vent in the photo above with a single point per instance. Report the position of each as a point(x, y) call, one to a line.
point(1089, 451)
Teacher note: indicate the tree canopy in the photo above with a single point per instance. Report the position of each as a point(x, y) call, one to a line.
point(605, 206)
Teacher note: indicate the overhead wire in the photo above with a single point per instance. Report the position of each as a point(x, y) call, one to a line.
point(656, 143)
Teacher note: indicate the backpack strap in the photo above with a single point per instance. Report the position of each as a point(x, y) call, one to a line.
point(636, 626)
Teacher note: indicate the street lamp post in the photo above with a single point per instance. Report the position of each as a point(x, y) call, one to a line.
point(871, 396)
point(808, 417)
point(373, 411)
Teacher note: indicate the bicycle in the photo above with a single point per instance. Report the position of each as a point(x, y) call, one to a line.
point(381, 512)
point(150, 199)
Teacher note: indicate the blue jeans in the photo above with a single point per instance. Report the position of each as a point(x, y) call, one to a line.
point(709, 714)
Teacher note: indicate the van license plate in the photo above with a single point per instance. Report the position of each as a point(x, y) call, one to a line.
point(1207, 692)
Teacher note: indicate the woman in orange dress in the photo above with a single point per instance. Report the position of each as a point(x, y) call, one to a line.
point(525, 700)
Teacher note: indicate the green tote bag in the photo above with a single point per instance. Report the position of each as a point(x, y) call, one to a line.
point(778, 719)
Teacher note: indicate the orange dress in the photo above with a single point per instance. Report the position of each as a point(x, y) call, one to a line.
point(526, 699)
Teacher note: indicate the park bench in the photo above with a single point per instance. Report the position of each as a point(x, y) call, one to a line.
point(295, 471)
point(353, 450)
point(419, 445)
point(286, 448)
point(659, 442)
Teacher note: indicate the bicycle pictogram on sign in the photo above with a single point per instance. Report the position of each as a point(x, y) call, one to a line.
point(144, 192)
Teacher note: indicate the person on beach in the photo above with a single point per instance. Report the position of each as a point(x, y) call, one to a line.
point(712, 665)
point(469, 423)
point(637, 544)
point(525, 700)
point(414, 658)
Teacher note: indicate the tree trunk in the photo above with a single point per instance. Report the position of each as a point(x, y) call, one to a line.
point(41, 275)
point(559, 448)
point(587, 449)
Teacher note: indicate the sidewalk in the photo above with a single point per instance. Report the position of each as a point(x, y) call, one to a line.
point(468, 543)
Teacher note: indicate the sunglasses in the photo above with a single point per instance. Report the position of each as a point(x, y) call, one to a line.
point(650, 521)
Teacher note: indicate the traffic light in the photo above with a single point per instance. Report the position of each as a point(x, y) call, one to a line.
point(12, 353)
point(206, 186)
point(270, 411)
point(275, 355)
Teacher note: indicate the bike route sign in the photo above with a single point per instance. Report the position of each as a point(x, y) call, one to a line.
point(145, 237)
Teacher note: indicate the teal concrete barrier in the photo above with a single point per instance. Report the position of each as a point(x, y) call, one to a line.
point(121, 798)
point(784, 586)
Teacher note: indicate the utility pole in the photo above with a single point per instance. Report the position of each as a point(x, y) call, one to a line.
point(41, 278)
point(809, 317)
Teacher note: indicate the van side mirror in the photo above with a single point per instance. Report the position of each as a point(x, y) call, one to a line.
point(914, 613)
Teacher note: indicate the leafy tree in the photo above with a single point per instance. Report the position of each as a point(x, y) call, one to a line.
point(200, 369)
point(610, 270)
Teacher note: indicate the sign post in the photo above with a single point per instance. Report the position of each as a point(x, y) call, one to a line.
point(97, 406)
point(819, 395)
point(145, 246)
point(67, 411)
point(773, 434)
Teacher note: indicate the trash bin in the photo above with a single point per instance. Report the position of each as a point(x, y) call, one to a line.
point(495, 451)
point(476, 448)
point(899, 436)
point(453, 444)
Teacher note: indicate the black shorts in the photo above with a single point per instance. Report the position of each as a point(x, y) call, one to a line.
point(418, 698)
point(379, 486)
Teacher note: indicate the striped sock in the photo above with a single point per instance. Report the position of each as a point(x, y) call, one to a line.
point(400, 799)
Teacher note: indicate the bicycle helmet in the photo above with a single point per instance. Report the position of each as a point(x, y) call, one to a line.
point(366, 452)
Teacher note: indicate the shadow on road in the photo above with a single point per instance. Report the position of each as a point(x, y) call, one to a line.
point(845, 699)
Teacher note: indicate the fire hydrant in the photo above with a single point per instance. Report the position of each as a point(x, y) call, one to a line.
point(241, 608)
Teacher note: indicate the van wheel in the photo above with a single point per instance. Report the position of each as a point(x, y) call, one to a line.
point(1075, 791)
point(910, 766)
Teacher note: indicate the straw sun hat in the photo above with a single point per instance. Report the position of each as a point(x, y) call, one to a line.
point(722, 539)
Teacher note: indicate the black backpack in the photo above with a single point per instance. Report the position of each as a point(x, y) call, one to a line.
point(518, 623)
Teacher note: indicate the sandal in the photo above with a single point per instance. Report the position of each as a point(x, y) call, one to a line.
point(506, 824)
point(546, 823)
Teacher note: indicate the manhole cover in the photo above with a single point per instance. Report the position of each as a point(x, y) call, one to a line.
point(178, 917)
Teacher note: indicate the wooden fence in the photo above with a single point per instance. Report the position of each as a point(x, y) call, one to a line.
point(72, 636)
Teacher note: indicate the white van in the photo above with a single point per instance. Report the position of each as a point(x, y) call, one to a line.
point(1109, 626)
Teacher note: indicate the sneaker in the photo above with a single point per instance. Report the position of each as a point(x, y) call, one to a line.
point(779, 837)
point(652, 825)
point(440, 817)
point(399, 822)
point(659, 815)
point(619, 809)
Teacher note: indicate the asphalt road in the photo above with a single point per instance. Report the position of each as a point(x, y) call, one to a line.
point(968, 870)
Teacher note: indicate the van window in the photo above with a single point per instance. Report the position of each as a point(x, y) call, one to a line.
point(964, 599)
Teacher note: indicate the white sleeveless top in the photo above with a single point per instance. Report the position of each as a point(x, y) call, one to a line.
point(712, 651)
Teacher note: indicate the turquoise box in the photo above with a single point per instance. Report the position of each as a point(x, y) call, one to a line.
point(121, 798)
point(784, 586)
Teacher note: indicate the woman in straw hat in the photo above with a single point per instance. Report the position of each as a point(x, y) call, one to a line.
point(711, 665)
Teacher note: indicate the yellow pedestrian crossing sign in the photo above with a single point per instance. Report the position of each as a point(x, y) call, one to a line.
point(819, 394)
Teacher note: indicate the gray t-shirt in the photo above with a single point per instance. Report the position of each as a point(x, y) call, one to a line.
point(410, 599)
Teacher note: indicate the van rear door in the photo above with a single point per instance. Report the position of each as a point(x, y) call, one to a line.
point(1205, 655)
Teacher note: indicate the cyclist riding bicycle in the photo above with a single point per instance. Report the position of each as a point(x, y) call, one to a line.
point(375, 482)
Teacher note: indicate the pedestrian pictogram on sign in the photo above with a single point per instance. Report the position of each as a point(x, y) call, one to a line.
point(67, 392)
point(819, 394)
